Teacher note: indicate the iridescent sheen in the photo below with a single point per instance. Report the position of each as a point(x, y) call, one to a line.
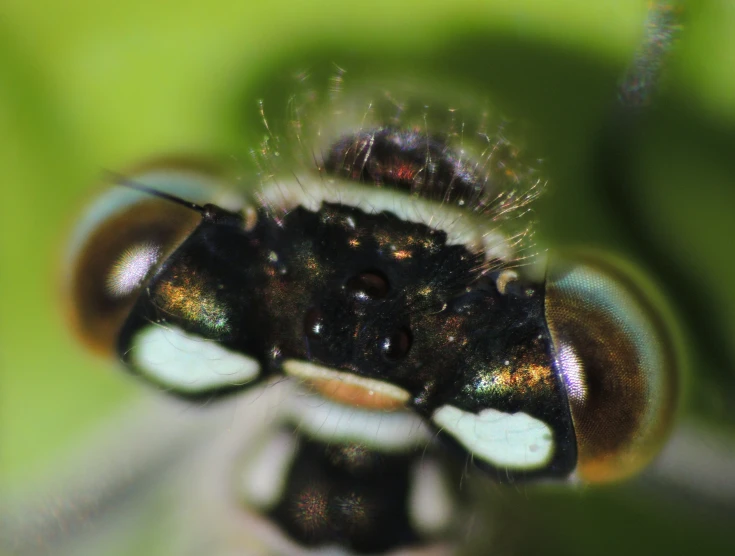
point(629, 369)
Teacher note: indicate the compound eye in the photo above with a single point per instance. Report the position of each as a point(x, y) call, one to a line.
point(618, 360)
point(122, 240)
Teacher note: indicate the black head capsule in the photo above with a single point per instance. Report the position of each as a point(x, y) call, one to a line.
point(380, 297)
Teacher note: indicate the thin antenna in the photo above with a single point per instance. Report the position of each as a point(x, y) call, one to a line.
point(663, 27)
point(119, 179)
point(619, 176)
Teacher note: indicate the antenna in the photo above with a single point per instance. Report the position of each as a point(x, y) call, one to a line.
point(119, 179)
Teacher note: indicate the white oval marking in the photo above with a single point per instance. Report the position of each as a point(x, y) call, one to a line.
point(430, 504)
point(509, 440)
point(188, 363)
point(335, 422)
point(264, 477)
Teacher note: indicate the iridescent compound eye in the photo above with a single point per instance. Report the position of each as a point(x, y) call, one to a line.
point(617, 361)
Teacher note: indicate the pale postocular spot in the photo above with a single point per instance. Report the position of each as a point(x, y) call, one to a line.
point(131, 268)
point(188, 363)
point(263, 478)
point(430, 504)
point(504, 440)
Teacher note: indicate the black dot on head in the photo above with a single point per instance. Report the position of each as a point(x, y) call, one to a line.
point(368, 285)
point(397, 345)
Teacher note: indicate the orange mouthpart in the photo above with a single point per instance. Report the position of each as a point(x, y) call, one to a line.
point(348, 388)
point(351, 394)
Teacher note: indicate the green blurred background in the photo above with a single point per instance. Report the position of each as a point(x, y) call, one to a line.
point(89, 86)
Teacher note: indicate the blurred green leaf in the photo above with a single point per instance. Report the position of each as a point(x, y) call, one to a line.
point(87, 86)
